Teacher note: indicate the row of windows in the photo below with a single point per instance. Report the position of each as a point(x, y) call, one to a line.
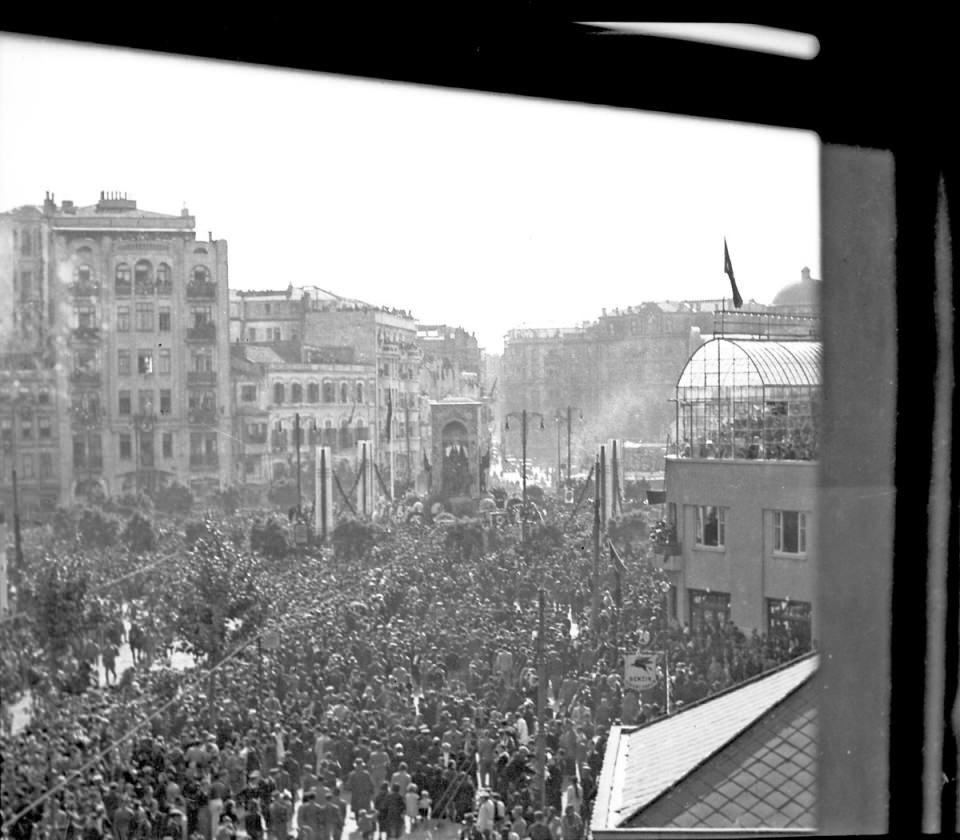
point(28, 429)
point(88, 451)
point(148, 362)
point(785, 618)
point(33, 465)
point(330, 392)
point(789, 529)
point(144, 319)
point(142, 278)
point(26, 395)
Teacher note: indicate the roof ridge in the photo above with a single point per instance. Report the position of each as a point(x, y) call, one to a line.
point(737, 734)
point(734, 734)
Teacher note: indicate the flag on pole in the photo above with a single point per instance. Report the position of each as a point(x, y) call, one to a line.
point(728, 270)
point(389, 414)
point(619, 570)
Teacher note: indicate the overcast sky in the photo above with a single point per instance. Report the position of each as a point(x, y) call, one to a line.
point(484, 211)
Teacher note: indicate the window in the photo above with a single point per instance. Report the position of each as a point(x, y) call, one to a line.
point(6, 430)
point(143, 277)
point(164, 316)
point(123, 362)
point(789, 532)
point(43, 397)
point(359, 392)
point(167, 444)
point(200, 315)
point(251, 334)
point(123, 318)
point(123, 280)
point(278, 393)
point(201, 361)
point(277, 334)
point(145, 362)
point(789, 620)
point(329, 392)
point(164, 280)
point(145, 400)
point(28, 466)
point(711, 526)
point(166, 401)
point(87, 316)
point(26, 242)
point(123, 403)
point(79, 451)
point(26, 285)
point(296, 393)
point(344, 392)
point(313, 392)
point(145, 317)
point(126, 449)
point(46, 465)
point(201, 274)
point(45, 427)
point(248, 393)
point(26, 429)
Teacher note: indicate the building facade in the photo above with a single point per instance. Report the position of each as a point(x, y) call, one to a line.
point(272, 387)
point(740, 529)
point(132, 308)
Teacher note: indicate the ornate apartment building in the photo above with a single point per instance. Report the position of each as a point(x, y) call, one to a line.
point(116, 363)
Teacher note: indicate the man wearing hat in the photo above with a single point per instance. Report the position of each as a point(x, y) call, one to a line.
point(360, 786)
point(333, 817)
point(486, 815)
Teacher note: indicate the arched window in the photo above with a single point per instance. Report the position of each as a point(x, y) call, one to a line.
point(313, 392)
point(278, 393)
point(143, 277)
point(329, 392)
point(296, 393)
point(164, 280)
point(201, 274)
point(200, 250)
point(83, 277)
point(359, 392)
point(344, 392)
point(123, 283)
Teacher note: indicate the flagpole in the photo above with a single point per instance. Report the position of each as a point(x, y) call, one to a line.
point(666, 675)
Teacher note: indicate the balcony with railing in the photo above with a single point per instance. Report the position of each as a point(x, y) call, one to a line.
point(78, 289)
point(206, 331)
point(255, 437)
point(204, 461)
point(663, 538)
point(201, 290)
point(86, 333)
point(202, 416)
point(85, 417)
point(88, 463)
point(201, 377)
point(85, 376)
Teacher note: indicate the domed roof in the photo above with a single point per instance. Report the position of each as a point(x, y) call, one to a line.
point(805, 294)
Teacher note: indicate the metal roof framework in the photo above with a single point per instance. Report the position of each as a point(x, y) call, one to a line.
point(750, 399)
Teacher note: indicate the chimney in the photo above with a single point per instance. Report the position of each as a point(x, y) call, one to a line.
point(49, 204)
point(210, 235)
point(805, 274)
point(68, 207)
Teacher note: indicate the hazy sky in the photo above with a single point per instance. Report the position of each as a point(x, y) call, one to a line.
point(480, 210)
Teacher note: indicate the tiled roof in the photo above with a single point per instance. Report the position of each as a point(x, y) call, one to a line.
point(643, 764)
point(765, 778)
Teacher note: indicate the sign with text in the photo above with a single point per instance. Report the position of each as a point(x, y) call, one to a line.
point(640, 670)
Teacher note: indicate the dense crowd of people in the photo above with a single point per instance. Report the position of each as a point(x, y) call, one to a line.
point(387, 692)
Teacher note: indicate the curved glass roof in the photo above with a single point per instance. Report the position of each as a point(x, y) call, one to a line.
point(753, 363)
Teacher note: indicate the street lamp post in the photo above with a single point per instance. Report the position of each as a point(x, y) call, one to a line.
point(523, 467)
point(570, 409)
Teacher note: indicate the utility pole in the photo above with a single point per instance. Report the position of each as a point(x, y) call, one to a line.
point(17, 542)
point(569, 413)
point(542, 705)
point(296, 431)
point(595, 602)
point(523, 475)
point(559, 465)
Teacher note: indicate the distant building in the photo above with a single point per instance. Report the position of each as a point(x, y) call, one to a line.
point(739, 542)
point(116, 334)
point(346, 331)
point(272, 385)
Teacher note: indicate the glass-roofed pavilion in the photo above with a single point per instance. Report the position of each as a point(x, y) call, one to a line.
point(750, 400)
